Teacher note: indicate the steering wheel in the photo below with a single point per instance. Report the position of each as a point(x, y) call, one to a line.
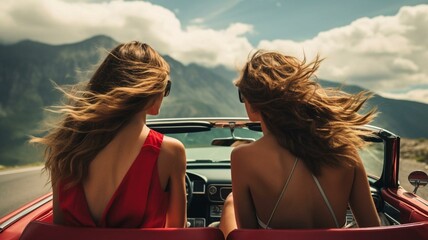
point(189, 190)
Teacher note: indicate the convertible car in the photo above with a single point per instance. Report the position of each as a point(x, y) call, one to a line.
point(208, 143)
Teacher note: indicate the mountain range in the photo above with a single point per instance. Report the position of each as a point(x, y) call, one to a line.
point(28, 70)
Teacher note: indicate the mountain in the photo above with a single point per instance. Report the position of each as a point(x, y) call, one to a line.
point(28, 68)
point(405, 118)
point(199, 92)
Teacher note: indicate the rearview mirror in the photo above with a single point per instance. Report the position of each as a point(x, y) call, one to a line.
point(231, 142)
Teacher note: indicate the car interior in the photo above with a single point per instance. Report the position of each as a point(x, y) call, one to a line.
point(208, 183)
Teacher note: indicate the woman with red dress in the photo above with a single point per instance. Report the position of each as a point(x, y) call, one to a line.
point(107, 168)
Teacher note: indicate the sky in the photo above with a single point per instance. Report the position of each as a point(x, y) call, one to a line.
point(380, 45)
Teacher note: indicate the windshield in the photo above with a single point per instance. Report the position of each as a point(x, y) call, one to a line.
point(199, 147)
point(199, 144)
point(373, 157)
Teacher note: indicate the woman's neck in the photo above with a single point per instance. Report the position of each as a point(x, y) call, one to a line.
point(139, 119)
point(265, 130)
point(135, 127)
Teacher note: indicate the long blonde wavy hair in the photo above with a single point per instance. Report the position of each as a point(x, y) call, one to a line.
point(127, 82)
point(318, 125)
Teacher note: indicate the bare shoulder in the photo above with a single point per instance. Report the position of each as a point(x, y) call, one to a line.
point(241, 150)
point(173, 149)
point(359, 169)
point(243, 154)
point(247, 149)
point(172, 144)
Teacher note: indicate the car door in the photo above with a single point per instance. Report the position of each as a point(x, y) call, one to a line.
point(399, 205)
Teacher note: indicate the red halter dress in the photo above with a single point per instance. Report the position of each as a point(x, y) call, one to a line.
point(138, 202)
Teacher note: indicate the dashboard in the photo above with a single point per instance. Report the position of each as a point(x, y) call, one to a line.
point(210, 185)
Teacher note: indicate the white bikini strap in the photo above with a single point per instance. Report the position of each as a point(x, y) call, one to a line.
point(326, 201)
point(282, 192)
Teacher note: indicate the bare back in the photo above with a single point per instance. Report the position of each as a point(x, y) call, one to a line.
point(302, 205)
point(110, 166)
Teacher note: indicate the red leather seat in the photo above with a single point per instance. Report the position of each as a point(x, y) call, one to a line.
point(409, 231)
point(37, 230)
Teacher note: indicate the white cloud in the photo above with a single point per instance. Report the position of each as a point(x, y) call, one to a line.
point(55, 21)
point(197, 21)
point(420, 95)
point(382, 53)
point(59, 21)
point(405, 65)
point(212, 47)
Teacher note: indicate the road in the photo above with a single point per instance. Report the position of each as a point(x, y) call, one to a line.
point(20, 186)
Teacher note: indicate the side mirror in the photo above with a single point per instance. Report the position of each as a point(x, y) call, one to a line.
point(417, 179)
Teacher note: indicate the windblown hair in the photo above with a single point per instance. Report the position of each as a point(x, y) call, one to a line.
point(318, 125)
point(127, 82)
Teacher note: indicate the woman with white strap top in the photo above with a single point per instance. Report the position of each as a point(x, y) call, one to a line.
point(305, 170)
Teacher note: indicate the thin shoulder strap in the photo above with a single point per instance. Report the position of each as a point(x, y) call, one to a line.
point(282, 192)
point(326, 201)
